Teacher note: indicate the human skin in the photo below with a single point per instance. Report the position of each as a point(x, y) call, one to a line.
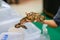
point(51, 23)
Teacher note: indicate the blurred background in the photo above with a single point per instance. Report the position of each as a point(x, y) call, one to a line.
point(22, 6)
point(50, 7)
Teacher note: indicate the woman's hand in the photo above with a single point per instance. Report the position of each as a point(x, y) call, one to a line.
point(50, 23)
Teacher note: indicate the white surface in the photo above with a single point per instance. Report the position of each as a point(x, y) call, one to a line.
point(13, 29)
point(32, 29)
point(4, 5)
point(12, 36)
point(32, 33)
point(7, 16)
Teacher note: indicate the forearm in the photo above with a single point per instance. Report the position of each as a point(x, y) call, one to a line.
point(50, 23)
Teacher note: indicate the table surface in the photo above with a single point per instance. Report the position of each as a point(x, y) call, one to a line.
point(54, 33)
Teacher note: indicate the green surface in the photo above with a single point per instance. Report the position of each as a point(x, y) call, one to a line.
point(54, 33)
